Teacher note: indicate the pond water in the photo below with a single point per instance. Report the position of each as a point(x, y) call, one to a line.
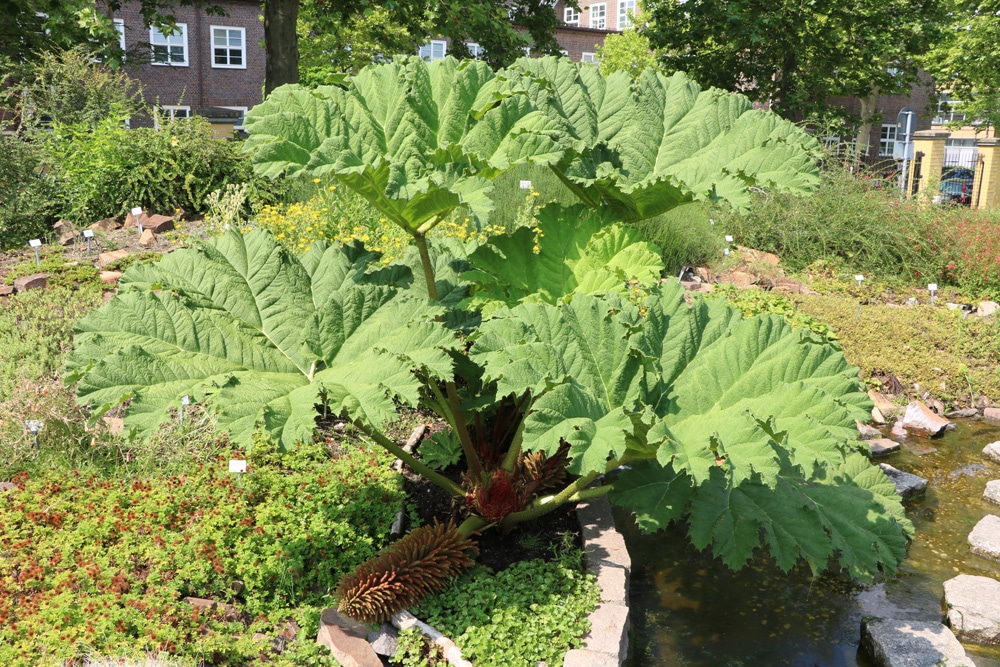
point(690, 610)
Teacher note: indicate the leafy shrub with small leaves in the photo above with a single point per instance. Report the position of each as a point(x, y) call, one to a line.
point(26, 206)
point(756, 302)
point(107, 169)
point(105, 563)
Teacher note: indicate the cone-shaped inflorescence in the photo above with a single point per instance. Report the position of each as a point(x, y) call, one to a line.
point(420, 564)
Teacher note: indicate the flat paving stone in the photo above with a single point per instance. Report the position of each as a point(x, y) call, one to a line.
point(608, 631)
point(908, 643)
point(992, 492)
point(985, 538)
point(974, 608)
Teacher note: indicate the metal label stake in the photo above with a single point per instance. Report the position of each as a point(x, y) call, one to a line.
point(34, 426)
point(185, 401)
point(137, 213)
point(932, 288)
point(88, 234)
point(35, 245)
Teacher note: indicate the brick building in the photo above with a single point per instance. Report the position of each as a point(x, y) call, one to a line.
point(213, 65)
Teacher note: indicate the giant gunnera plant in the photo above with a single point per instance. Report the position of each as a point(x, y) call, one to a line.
point(549, 374)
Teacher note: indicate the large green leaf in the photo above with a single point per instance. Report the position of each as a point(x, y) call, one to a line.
point(580, 364)
point(416, 139)
point(260, 335)
point(643, 147)
point(572, 250)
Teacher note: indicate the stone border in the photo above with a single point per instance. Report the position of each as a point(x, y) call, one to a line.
point(607, 559)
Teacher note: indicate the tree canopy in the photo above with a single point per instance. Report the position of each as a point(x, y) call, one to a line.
point(795, 55)
point(964, 63)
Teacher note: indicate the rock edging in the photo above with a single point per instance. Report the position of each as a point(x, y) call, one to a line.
point(607, 558)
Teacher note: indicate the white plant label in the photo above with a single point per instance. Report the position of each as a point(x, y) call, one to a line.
point(186, 400)
point(35, 243)
point(859, 277)
point(932, 287)
point(525, 185)
point(729, 239)
point(725, 251)
point(711, 222)
point(237, 465)
point(88, 234)
point(137, 211)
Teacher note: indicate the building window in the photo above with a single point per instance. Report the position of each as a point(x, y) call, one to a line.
point(120, 27)
point(624, 8)
point(170, 112)
point(434, 50)
point(476, 51)
point(887, 140)
point(946, 111)
point(229, 47)
point(170, 49)
point(571, 16)
point(599, 16)
point(587, 57)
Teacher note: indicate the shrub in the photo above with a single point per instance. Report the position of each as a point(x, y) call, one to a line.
point(26, 207)
point(104, 564)
point(848, 222)
point(975, 260)
point(685, 237)
point(109, 169)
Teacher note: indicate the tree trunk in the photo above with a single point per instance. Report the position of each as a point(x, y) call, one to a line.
point(280, 43)
point(868, 112)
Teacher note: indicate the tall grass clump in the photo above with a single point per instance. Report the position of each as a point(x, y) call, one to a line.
point(850, 223)
point(685, 236)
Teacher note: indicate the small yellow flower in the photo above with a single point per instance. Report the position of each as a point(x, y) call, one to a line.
point(315, 180)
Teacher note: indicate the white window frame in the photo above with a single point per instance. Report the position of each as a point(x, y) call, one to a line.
point(120, 27)
point(164, 41)
point(624, 7)
point(599, 22)
point(887, 140)
point(571, 16)
point(588, 57)
point(170, 111)
point(427, 50)
point(475, 50)
point(229, 49)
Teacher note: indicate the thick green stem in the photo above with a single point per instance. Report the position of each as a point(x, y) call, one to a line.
point(544, 505)
point(510, 458)
point(593, 492)
point(471, 457)
point(471, 525)
point(407, 458)
point(425, 262)
point(441, 403)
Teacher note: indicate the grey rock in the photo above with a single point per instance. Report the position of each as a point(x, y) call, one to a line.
point(907, 485)
point(581, 658)
point(919, 448)
point(6, 290)
point(907, 643)
point(992, 414)
point(974, 608)
point(384, 640)
point(985, 538)
point(866, 432)
point(602, 541)
point(897, 430)
point(992, 451)
point(883, 446)
point(878, 417)
point(921, 418)
point(882, 402)
point(992, 492)
point(608, 631)
point(987, 308)
point(965, 412)
point(937, 407)
point(8, 486)
point(912, 301)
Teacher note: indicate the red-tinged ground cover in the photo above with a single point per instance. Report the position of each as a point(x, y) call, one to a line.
point(102, 566)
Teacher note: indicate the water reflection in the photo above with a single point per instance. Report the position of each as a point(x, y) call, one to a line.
point(690, 610)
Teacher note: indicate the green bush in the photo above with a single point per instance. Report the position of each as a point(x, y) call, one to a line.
point(685, 236)
point(107, 170)
point(26, 205)
point(103, 565)
point(847, 223)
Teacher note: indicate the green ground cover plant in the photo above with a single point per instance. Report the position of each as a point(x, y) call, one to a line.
point(532, 611)
point(95, 565)
point(528, 332)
